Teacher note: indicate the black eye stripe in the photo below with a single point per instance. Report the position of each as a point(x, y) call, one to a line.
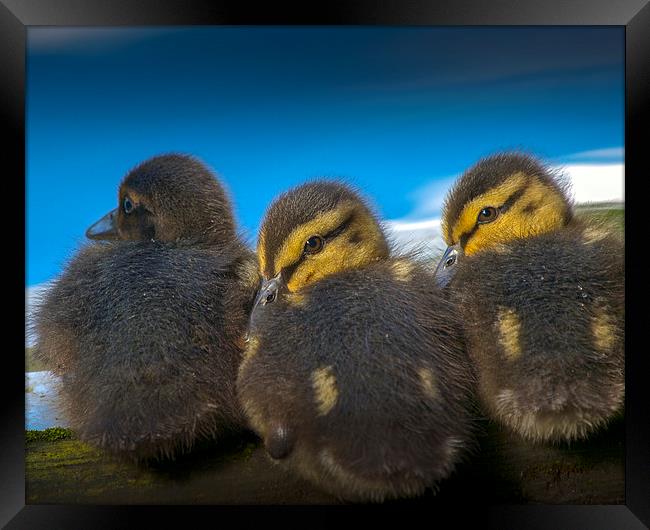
point(507, 204)
point(288, 271)
point(339, 229)
point(510, 201)
point(464, 238)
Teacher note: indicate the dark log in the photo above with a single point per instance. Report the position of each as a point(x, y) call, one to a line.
point(502, 469)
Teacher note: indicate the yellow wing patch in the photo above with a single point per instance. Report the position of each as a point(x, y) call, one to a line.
point(509, 328)
point(603, 330)
point(324, 383)
point(428, 382)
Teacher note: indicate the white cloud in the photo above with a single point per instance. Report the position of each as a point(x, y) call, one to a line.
point(609, 154)
point(429, 198)
point(424, 236)
point(596, 182)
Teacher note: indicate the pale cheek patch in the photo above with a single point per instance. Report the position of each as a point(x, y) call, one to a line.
point(402, 270)
point(509, 328)
point(603, 331)
point(297, 299)
point(252, 346)
point(428, 383)
point(374, 490)
point(255, 417)
point(324, 384)
point(500, 248)
point(593, 235)
point(249, 274)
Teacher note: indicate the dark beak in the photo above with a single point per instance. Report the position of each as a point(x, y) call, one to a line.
point(279, 443)
point(105, 228)
point(269, 291)
point(448, 264)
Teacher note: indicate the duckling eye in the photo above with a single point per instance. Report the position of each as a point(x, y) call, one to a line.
point(487, 215)
point(314, 244)
point(128, 205)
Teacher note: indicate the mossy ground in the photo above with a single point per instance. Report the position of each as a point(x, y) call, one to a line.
point(234, 471)
point(503, 469)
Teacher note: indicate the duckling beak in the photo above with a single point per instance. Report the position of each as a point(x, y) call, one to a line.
point(448, 264)
point(105, 228)
point(279, 443)
point(268, 292)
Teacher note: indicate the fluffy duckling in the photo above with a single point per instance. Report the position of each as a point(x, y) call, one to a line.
point(146, 324)
point(354, 375)
point(542, 299)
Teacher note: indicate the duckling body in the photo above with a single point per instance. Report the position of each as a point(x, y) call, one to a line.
point(542, 301)
point(147, 334)
point(355, 379)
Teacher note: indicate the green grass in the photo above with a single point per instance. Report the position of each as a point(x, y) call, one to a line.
point(53, 434)
point(613, 214)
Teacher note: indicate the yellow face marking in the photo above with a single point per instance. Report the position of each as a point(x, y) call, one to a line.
point(339, 254)
point(494, 197)
point(294, 244)
point(261, 251)
point(603, 331)
point(402, 270)
point(509, 328)
point(324, 383)
point(516, 222)
point(428, 382)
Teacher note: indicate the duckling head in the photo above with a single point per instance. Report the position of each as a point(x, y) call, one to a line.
point(168, 198)
point(313, 231)
point(501, 198)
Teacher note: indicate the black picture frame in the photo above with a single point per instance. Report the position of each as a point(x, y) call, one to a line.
point(17, 15)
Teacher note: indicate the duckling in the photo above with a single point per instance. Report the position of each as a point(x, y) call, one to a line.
point(354, 376)
point(541, 295)
point(146, 323)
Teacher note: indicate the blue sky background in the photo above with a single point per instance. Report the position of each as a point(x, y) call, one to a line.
point(396, 111)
